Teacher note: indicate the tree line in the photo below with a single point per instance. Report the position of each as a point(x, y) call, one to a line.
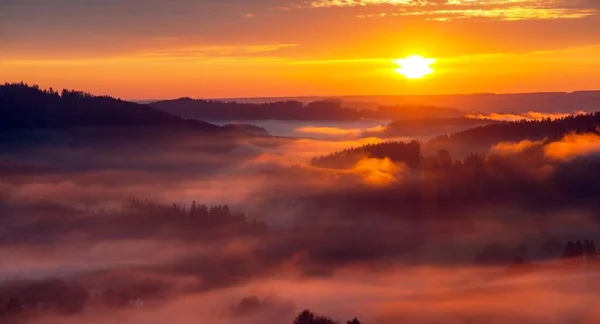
point(499, 131)
point(331, 109)
point(308, 317)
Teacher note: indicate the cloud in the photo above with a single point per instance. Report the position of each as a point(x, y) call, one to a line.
point(337, 131)
point(508, 148)
point(172, 54)
point(301, 151)
point(573, 146)
point(363, 3)
point(513, 13)
point(530, 115)
point(219, 50)
point(465, 9)
point(379, 171)
point(328, 130)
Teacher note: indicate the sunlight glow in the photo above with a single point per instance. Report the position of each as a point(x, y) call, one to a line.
point(415, 66)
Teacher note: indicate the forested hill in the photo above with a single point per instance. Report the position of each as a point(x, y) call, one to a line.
point(464, 142)
point(426, 126)
point(409, 153)
point(29, 107)
point(282, 110)
point(293, 110)
point(525, 129)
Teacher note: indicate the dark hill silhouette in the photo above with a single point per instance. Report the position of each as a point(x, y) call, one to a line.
point(24, 106)
point(29, 107)
point(285, 110)
point(429, 125)
point(490, 102)
point(246, 128)
point(292, 110)
point(557, 102)
point(521, 130)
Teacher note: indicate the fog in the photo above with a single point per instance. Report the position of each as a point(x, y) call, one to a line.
point(138, 233)
point(318, 130)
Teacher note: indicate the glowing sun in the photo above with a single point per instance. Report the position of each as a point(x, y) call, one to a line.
point(415, 66)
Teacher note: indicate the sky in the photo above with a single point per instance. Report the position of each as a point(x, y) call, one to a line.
point(157, 49)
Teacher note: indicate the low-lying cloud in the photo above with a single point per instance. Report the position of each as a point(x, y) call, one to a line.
point(514, 147)
point(530, 115)
point(347, 133)
point(573, 146)
point(377, 240)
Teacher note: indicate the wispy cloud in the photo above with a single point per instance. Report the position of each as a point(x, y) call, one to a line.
point(201, 53)
point(509, 13)
point(573, 146)
point(463, 9)
point(218, 50)
point(358, 3)
point(336, 131)
point(530, 115)
point(507, 148)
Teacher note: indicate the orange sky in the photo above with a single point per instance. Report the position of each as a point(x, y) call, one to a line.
point(240, 48)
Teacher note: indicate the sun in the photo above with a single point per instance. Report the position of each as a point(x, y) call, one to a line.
point(414, 66)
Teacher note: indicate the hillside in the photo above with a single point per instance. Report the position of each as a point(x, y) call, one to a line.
point(427, 126)
point(558, 102)
point(29, 107)
point(521, 130)
point(25, 107)
point(281, 110)
point(555, 102)
point(294, 110)
point(462, 143)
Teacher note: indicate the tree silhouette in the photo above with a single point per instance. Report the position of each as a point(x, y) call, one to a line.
point(305, 317)
point(586, 251)
point(324, 320)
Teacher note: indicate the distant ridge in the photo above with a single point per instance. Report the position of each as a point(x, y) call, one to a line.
point(585, 100)
point(563, 102)
point(295, 110)
point(310, 98)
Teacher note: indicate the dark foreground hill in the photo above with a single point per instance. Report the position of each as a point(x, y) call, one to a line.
point(24, 107)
